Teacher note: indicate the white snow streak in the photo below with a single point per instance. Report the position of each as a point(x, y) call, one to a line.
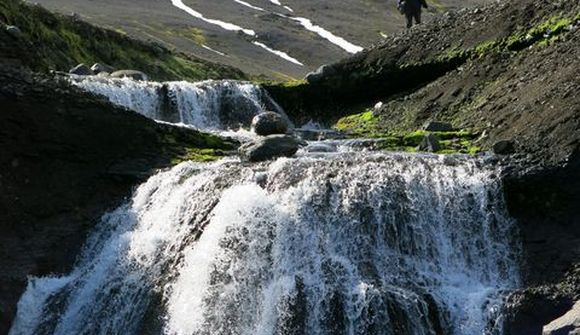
point(213, 50)
point(225, 25)
point(279, 53)
point(341, 42)
point(243, 3)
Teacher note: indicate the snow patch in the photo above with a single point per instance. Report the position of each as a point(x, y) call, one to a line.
point(213, 50)
point(224, 25)
point(278, 53)
point(341, 42)
point(249, 5)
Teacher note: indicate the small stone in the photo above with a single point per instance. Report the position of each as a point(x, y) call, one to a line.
point(81, 70)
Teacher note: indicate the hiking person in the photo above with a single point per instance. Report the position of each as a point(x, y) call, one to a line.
point(412, 10)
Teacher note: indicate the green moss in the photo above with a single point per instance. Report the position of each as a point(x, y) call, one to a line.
point(414, 138)
point(61, 42)
point(363, 123)
point(198, 155)
point(541, 34)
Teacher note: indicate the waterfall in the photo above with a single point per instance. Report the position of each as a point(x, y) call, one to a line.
point(213, 105)
point(341, 243)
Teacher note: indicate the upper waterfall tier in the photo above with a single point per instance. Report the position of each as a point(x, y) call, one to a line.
point(350, 243)
point(214, 105)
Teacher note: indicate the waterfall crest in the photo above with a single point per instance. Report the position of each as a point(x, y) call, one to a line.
point(345, 243)
point(210, 105)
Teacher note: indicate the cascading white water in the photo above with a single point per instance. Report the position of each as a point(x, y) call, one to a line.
point(342, 243)
point(213, 105)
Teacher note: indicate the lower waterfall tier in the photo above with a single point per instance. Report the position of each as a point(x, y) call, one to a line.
point(350, 243)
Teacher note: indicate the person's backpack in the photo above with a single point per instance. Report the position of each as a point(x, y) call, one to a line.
point(402, 6)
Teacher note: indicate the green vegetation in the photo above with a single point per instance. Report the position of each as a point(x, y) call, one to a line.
point(541, 34)
point(359, 124)
point(198, 155)
point(57, 42)
point(194, 145)
point(367, 125)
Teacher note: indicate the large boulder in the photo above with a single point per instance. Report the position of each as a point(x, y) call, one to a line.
point(569, 323)
point(81, 70)
point(269, 147)
point(99, 68)
point(269, 123)
point(133, 74)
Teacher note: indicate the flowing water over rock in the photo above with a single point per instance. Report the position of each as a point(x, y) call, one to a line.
point(339, 243)
point(213, 105)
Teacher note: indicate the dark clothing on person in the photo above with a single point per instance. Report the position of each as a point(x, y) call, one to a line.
point(412, 10)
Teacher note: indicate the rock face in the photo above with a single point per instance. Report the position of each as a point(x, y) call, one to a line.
point(569, 323)
point(269, 123)
point(133, 74)
point(81, 70)
point(269, 147)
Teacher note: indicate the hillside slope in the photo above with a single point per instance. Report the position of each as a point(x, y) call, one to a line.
point(57, 42)
point(503, 69)
point(358, 22)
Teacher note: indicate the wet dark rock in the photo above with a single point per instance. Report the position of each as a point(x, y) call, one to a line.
point(269, 147)
point(269, 123)
point(319, 134)
point(98, 68)
point(321, 147)
point(438, 126)
point(569, 323)
point(81, 70)
point(133, 74)
point(429, 144)
point(504, 147)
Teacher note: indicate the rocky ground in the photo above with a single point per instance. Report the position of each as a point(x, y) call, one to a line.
point(361, 22)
